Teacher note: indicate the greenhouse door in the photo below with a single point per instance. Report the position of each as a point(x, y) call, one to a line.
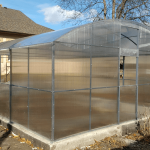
point(128, 73)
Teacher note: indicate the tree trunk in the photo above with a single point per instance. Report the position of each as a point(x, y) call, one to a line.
point(113, 9)
point(105, 9)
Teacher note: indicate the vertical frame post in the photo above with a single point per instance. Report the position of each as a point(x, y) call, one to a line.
point(137, 70)
point(90, 81)
point(53, 89)
point(123, 68)
point(136, 107)
point(0, 68)
point(90, 88)
point(28, 89)
point(10, 85)
point(118, 100)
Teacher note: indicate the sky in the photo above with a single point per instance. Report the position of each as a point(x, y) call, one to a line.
point(44, 12)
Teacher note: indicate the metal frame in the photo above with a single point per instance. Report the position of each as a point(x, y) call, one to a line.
point(28, 89)
point(53, 94)
point(0, 68)
point(10, 85)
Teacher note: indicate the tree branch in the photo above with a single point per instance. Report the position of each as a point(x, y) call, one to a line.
point(122, 8)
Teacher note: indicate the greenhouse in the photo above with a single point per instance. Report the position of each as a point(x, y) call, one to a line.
point(78, 79)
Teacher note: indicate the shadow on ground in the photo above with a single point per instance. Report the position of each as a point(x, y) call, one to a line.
point(142, 144)
point(4, 133)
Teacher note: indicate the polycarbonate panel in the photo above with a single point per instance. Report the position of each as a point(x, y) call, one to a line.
point(144, 69)
point(71, 112)
point(4, 100)
point(144, 37)
point(103, 107)
point(130, 71)
point(19, 105)
point(43, 38)
point(106, 34)
point(127, 103)
point(9, 44)
point(5, 69)
point(81, 35)
point(20, 67)
point(143, 99)
point(104, 67)
point(40, 112)
point(40, 67)
point(72, 68)
point(129, 37)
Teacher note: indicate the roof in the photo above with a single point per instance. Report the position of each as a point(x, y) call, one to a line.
point(76, 34)
point(15, 21)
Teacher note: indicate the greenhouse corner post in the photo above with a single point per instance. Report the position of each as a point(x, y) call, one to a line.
point(0, 68)
point(137, 69)
point(53, 89)
point(10, 85)
point(28, 88)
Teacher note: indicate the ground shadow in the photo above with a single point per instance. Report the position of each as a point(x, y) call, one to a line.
point(143, 144)
point(6, 134)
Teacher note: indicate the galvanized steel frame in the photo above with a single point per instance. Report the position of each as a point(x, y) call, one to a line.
point(53, 94)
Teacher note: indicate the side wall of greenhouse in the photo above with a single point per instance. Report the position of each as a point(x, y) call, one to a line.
point(144, 71)
point(86, 79)
point(4, 84)
point(30, 91)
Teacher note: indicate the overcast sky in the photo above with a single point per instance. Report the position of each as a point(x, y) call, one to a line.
point(43, 12)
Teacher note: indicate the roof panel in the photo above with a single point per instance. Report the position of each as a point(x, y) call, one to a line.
point(43, 38)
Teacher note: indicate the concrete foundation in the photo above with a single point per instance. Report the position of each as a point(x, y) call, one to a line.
point(69, 143)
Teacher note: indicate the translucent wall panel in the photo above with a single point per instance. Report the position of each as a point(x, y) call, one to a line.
point(130, 71)
point(103, 107)
point(20, 67)
point(129, 37)
point(5, 69)
point(71, 112)
point(144, 69)
point(19, 103)
point(40, 112)
point(40, 67)
point(143, 98)
point(127, 103)
point(72, 68)
point(104, 67)
point(4, 100)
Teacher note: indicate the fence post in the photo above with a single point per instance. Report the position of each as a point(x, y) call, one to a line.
point(53, 89)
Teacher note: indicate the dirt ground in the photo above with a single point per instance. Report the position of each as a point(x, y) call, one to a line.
point(11, 141)
point(133, 141)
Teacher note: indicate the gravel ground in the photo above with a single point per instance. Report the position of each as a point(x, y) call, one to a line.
point(11, 141)
point(133, 141)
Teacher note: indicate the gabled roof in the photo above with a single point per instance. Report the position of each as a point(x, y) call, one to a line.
point(15, 21)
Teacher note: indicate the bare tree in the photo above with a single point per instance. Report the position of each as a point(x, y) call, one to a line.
point(93, 10)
